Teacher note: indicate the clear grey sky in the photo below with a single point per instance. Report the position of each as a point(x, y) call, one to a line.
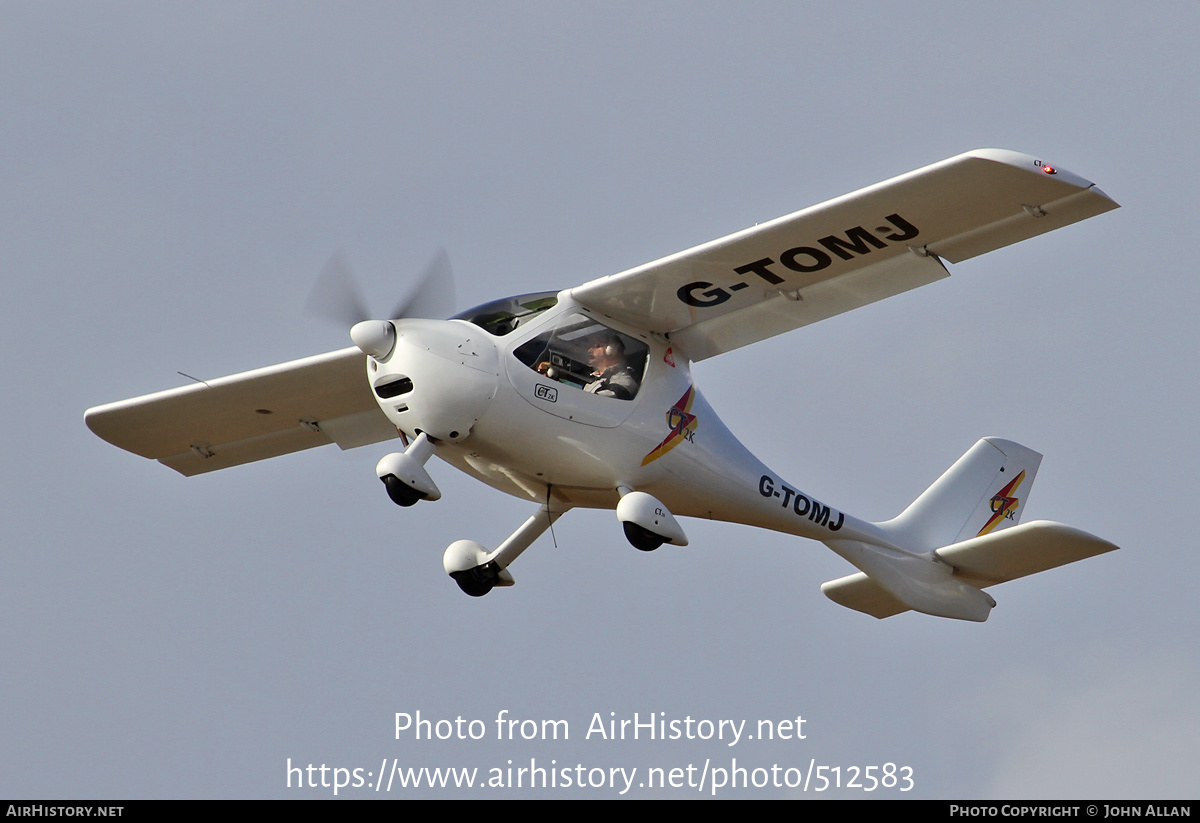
point(174, 176)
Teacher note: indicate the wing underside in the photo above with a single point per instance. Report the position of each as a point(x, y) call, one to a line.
point(249, 416)
point(845, 253)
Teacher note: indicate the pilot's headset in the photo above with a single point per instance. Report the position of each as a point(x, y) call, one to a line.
point(613, 344)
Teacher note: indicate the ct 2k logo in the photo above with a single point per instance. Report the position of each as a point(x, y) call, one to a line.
point(679, 421)
point(682, 424)
point(547, 393)
point(1004, 505)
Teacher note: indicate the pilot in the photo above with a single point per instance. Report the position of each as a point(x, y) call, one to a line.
point(611, 375)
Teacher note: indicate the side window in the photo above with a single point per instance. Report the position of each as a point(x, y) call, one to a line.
point(585, 354)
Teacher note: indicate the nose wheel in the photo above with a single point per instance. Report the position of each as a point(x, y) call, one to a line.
point(401, 494)
point(404, 475)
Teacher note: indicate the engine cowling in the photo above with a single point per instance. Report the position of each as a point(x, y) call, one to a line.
point(439, 377)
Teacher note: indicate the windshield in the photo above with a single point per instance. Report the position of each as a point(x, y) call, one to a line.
point(500, 317)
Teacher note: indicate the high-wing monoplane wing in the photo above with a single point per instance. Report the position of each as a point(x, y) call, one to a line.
point(250, 416)
point(845, 253)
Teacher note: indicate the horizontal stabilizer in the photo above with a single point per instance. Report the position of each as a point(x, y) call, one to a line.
point(1020, 551)
point(863, 594)
point(981, 562)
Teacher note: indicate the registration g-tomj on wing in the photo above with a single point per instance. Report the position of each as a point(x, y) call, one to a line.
point(585, 397)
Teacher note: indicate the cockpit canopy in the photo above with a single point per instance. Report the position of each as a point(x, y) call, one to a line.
point(579, 351)
point(501, 317)
point(583, 353)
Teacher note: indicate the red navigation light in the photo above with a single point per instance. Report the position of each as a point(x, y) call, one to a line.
point(1049, 169)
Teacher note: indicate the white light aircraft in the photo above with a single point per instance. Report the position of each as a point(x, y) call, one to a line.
point(585, 397)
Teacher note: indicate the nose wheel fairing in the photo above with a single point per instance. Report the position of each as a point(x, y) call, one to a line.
point(404, 475)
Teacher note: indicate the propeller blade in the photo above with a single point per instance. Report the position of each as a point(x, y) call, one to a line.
point(433, 296)
point(336, 295)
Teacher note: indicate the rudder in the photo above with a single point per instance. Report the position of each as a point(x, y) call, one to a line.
point(983, 492)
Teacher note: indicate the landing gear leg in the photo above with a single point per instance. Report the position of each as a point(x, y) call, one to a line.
point(477, 571)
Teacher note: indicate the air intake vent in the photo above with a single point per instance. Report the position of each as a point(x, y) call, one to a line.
point(394, 387)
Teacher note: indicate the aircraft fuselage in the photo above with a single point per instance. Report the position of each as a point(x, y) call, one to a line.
point(497, 418)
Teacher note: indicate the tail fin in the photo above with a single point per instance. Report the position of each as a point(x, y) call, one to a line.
point(984, 492)
point(952, 541)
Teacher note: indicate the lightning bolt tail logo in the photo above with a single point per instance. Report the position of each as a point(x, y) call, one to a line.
point(1004, 504)
point(682, 424)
